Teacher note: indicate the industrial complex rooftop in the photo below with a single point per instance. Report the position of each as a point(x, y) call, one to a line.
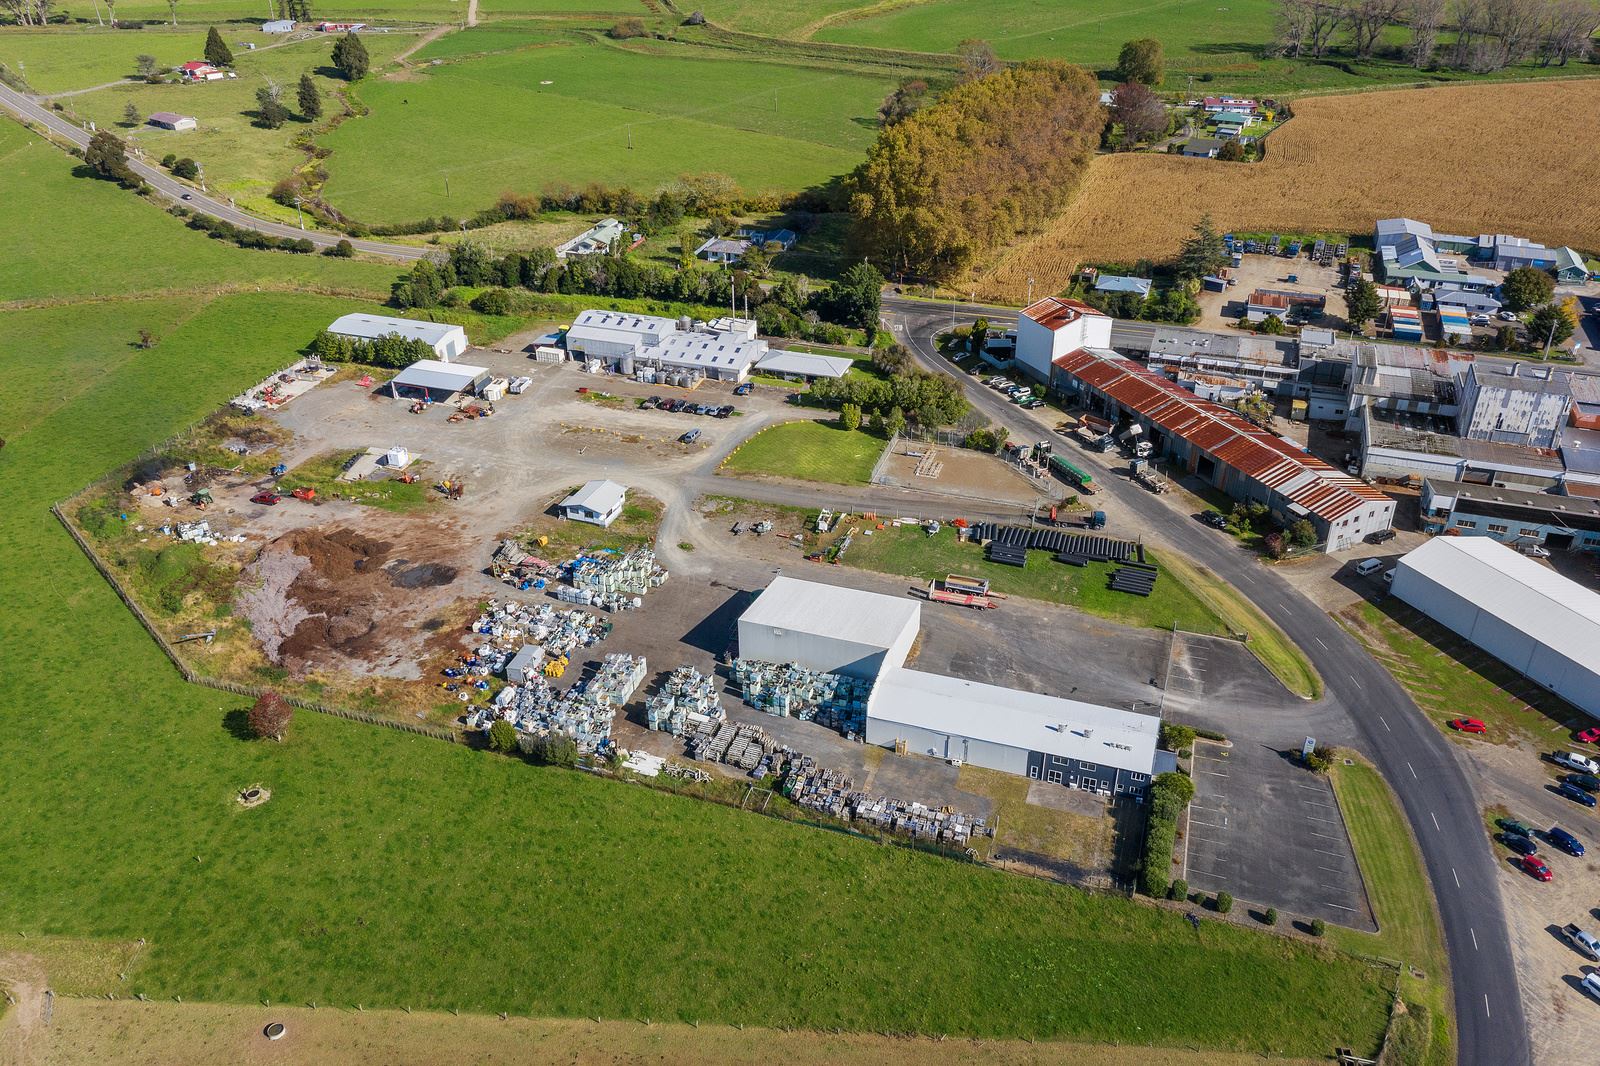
point(842, 613)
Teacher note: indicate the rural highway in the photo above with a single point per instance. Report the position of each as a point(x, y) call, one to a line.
point(30, 111)
point(1408, 750)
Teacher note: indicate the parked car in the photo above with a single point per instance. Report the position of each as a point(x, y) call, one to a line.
point(1573, 760)
point(652, 402)
point(1585, 942)
point(1505, 316)
point(1468, 725)
point(1388, 575)
point(725, 410)
point(1591, 983)
point(1536, 868)
point(1587, 782)
point(1575, 794)
point(1535, 551)
point(1565, 841)
point(268, 498)
point(1380, 536)
point(689, 437)
point(1588, 736)
point(1215, 519)
point(1520, 844)
point(1367, 567)
point(1511, 825)
point(744, 390)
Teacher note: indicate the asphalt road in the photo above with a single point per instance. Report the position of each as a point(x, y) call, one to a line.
point(1362, 700)
point(29, 110)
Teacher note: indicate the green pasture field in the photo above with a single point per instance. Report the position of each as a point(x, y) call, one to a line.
point(809, 451)
point(381, 12)
point(908, 550)
point(58, 60)
point(489, 38)
point(83, 237)
point(240, 159)
point(490, 126)
point(777, 20)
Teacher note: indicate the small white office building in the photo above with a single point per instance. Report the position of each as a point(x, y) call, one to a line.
point(597, 502)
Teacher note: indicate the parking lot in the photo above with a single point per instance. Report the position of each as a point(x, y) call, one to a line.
point(1269, 832)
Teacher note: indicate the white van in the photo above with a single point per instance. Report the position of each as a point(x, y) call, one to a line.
point(1368, 567)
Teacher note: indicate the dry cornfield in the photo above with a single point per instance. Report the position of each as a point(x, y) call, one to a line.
point(1516, 159)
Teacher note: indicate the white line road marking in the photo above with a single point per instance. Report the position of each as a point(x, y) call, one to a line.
point(1319, 641)
point(1314, 803)
point(1453, 875)
point(1308, 788)
point(1474, 934)
point(1325, 851)
point(1324, 821)
point(1486, 1013)
point(1435, 821)
point(1331, 869)
point(1213, 773)
point(1413, 771)
point(1354, 682)
point(1324, 836)
point(1386, 728)
point(1352, 910)
point(1208, 825)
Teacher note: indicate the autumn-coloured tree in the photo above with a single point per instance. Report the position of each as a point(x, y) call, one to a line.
point(270, 716)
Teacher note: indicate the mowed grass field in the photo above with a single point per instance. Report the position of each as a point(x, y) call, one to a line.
point(490, 125)
point(58, 60)
point(808, 451)
point(393, 870)
point(83, 237)
point(1341, 163)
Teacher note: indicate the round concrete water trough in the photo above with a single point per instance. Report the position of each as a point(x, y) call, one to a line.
point(274, 1031)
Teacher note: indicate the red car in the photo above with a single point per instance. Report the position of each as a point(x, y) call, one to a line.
point(1588, 736)
point(1536, 867)
point(1468, 725)
point(268, 498)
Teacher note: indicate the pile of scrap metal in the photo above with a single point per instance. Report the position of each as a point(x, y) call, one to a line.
point(510, 625)
point(788, 689)
point(618, 678)
point(744, 746)
point(687, 700)
point(832, 793)
point(518, 568)
point(631, 573)
point(537, 710)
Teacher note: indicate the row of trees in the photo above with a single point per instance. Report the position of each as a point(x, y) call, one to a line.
point(1489, 35)
point(992, 158)
point(907, 393)
point(271, 110)
point(782, 310)
point(393, 351)
point(1170, 794)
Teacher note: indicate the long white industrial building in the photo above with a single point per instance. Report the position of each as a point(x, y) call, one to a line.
point(828, 628)
point(1539, 623)
point(448, 341)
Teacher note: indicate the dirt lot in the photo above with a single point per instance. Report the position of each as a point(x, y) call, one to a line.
point(956, 471)
point(1222, 310)
point(127, 1033)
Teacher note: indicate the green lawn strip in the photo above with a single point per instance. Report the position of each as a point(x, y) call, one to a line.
point(1267, 642)
point(76, 966)
point(1450, 678)
point(1077, 838)
point(908, 550)
point(1402, 900)
point(321, 473)
point(808, 451)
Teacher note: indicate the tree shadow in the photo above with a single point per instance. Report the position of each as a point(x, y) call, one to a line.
point(237, 724)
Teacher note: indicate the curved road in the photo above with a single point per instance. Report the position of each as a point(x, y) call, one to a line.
point(1416, 761)
point(32, 112)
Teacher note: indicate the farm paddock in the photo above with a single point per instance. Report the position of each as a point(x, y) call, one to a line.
point(1341, 163)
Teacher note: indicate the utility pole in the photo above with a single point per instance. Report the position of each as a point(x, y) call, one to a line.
point(1030, 290)
point(447, 186)
point(297, 215)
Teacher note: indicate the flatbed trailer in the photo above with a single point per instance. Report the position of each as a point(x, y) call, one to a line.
point(936, 594)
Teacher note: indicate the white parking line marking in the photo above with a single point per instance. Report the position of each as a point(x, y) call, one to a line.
point(1474, 933)
point(1324, 836)
point(1208, 825)
point(1352, 910)
point(1453, 875)
point(1486, 1013)
point(1413, 771)
point(1325, 851)
point(1324, 821)
point(1213, 773)
point(1319, 641)
point(1435, 820)
point(1314, 803)
point(1386, 728)
point(1308, 788)
point(1354, 682)
point(1331, 869)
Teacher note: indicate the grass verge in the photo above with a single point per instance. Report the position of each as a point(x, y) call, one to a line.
point(634, 528)
point(808, 451)
point(1408, 923)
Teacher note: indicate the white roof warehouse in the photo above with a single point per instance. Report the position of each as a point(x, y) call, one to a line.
point(1045, 738)
point(439, 379)
point(726, 349)
point(828, 627)
point(1531, 618)
point(447, 341)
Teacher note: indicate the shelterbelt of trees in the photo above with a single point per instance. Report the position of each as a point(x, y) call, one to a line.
point(995, 157)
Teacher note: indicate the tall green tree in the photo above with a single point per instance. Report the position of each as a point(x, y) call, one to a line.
point(1549, 325)
point(1361, 304)
point(107, 156)
point(1202, 252)
point(350, 57)
point(1143, 61)
point(270, 111)
point(217, 52)
point(856, 298)
point(1527, 287)
point(850, 416)
point(309, 98)
point(130, 114)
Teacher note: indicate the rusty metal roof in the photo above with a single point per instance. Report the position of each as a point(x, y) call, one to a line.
point(1281, 465)
point(1053, 312)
